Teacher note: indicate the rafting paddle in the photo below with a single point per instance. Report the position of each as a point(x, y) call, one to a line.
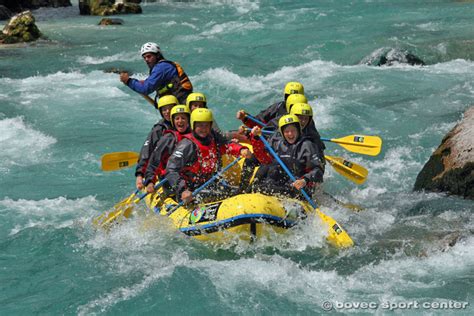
point(118, 160)
point(360, 144)
point(336, 235)
point(350, 170)
point(122, 209)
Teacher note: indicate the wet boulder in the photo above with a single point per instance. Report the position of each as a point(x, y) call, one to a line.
point(451, 167)
point(109, 7)
point(110, 21)
point(20, 28)
point(387, 56)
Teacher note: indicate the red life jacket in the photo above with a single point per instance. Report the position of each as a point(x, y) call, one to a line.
point(205, 165)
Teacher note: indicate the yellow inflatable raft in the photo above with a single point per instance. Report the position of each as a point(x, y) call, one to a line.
point(248, 216)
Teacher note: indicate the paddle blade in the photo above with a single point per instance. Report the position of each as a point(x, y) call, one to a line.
point(119, 160)
point(361, 144)
point(350, 170)
point(337, 236)
point(122, 209)
point(107, 220)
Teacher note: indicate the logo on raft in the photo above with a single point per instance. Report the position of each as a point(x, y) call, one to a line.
point(206, 213)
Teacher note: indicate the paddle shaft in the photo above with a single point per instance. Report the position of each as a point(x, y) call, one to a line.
point(255, 120)
point(157, 186)
point(214, 177)
point(345, 168)
point(288, 172)
point(263, 131)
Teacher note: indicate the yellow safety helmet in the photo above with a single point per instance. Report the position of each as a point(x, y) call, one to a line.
point(294, 87)
point(167, 100)
point(293, 99)
point(301, 109)
point(201, 115)
point(179, 109)
point(196, 97)
point(287, 120)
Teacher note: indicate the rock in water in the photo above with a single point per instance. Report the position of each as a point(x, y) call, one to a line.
point(387, 56)
point(20, 28)
point(451, 167)
point(109, 7)
point(109, 21)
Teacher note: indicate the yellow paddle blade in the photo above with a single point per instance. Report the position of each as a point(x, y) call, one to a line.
point(352, 171)
point(120, 210)
point(361, 144)
point(119, 160)
point(337, 236)
point(108, 219)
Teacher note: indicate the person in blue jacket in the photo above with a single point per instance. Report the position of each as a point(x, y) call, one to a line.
point(166, 77)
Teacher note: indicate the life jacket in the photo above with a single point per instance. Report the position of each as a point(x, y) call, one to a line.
point(206, 163)
point(180, 86)
point(161, 169)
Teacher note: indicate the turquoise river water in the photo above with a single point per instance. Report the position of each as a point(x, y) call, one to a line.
point(59, 112)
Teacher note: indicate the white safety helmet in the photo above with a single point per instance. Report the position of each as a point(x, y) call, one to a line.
point(150, 47)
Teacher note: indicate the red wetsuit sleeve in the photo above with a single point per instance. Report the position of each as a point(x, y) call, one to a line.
point(231, 149)
point(249, 123)
point(259, 151)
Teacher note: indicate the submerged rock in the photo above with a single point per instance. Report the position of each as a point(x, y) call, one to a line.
point(20, 28)
point(451, 167)
point(387, 56)
point(109, 21)
point(109, 7)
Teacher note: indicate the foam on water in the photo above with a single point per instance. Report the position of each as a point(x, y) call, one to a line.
point(429, 26)
point(89, 60)
point(44, 91)
point(282, 277)
point(21, 144)
point(457, 66)
point(58, 212)
point(230, 27)
point(271, 83)
point(241, 6)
